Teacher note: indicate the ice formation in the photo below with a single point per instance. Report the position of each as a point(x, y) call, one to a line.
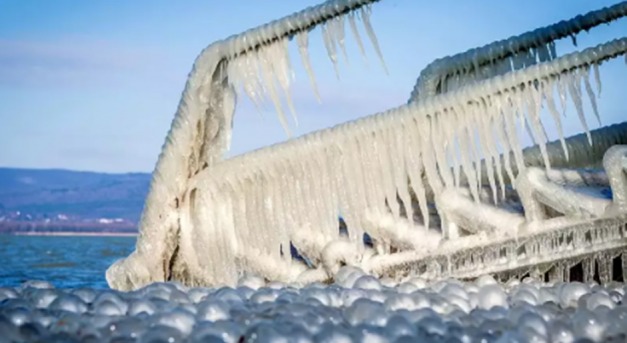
point(276, 211)
point(356, 308)
point(514, 53)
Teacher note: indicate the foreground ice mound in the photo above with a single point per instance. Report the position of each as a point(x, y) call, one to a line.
point(369, 311)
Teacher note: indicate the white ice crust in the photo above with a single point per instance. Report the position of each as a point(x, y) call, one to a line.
point(207, 221)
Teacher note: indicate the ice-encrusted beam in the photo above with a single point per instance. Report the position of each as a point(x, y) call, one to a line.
point(198, 137)
point(506, 55)
point(558, 244)
point(580, 153)
point(244, 213)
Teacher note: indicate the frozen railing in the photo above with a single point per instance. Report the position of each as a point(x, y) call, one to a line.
point(208, 221)
point(506, 55)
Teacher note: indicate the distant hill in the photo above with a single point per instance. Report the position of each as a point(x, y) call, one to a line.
point(48, 193)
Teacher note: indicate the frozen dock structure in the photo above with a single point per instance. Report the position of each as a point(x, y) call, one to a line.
point(440, 187)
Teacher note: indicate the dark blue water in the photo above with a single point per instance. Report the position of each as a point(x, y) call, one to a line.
point(64, 261)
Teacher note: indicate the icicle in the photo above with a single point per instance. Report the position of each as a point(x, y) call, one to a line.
point(543, 53)
point(604, 265)
point(387, 166)
point(574, 39)
point(591, 96)
point(252, 85)
point(313, 188)
point(533, 119)
point(440, 144)
point(486, 120)
point(360, 178)
point(283, 71)
point(575, 93)
point(399, 168)
point(266, 75)
point(597, 77)
point(512, 133)
point(313, 164)
point(239, 78)
point(380, 181)
point(548, 94)
point(413, 152)
point(302, 40)
point(553, 50)
point(504, 140)
point(329, 44)
point(465, 144)
point(347, 210)
point(274, 207)
point(304, 214)
point(474, 147)
point(370, 185)
point(561, 90)
point(454, 146)
point(340, 31)
point(360, 44)
point(328, 188)
point(477, 118)
point(365, 17)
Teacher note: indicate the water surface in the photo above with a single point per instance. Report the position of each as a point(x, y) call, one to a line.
point(64, 261)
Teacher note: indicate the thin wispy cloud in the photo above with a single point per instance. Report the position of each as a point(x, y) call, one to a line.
point(72, 63)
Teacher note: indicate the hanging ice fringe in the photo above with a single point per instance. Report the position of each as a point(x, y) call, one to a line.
point(208, 220)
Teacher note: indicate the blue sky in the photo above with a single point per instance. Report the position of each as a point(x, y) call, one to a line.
point(93, 85)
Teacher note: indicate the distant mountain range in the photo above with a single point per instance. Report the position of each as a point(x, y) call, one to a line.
point(53, 194)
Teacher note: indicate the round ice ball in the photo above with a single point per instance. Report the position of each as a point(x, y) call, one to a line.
point(86, 294)
point(42, 298)
point(178, 318)
point(108, 308)
point(7, 293)
point(526, 296)
point(571, 292)
point(347, 276)
point(491, 295)
point(368, 282)
point(363, 310)
point(141, 306)
point(69, 303)
point(560, 332)
point(599, 299)
point(213, 310)
point(586, 324)
point(264, 295)
point(400, 302)
point(485, 280)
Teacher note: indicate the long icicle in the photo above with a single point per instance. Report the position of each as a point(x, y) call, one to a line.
point(365, 17)
point(302, 40)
